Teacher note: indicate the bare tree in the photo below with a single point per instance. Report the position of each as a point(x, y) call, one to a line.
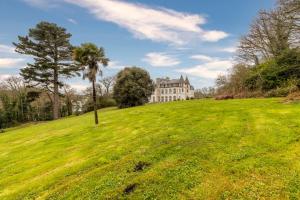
point(69, 96)
point(270, 34)
point(108, 83)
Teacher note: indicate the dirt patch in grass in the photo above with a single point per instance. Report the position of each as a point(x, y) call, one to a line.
point(130, 188)
point(140, 166)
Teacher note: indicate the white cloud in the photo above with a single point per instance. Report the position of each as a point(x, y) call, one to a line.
point(157, 24)
point(229, 49)
point(210, 69)
point(6, 49)
point(79, 87)
point(42, 3)
point(159, 59)
point(115, 65)
point(73, 21)
point(214, 36)
point(11, 62)
point(203, 58)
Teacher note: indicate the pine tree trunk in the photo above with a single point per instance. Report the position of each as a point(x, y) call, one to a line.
point(55, 97)
point(95, 103)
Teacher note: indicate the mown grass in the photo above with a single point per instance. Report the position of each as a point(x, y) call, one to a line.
point(204, 149)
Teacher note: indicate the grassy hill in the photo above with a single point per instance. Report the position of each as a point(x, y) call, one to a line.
point(206, 149)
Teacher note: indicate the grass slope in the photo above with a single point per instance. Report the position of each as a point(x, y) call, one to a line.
point(206, 149)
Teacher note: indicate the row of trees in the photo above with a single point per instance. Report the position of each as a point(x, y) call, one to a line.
point(20, 103)
point(268, 57)
point(55, 59)
point(40, 93)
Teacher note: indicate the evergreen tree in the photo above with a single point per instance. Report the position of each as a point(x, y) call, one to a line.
point(50, 47)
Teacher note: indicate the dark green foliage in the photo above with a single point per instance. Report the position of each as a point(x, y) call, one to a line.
point(21, 104)
point(276, 77)
point(102, 102)
point(133, 87)
point(276, 72)
point(50, 47)
point(18, 109)
point(32, 95)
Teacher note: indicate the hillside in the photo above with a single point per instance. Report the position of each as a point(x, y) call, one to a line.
point(202, 149)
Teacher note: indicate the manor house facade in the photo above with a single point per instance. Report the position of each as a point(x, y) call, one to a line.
point(172, 89)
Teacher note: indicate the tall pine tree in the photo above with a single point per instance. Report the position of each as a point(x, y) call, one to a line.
point(50, 47)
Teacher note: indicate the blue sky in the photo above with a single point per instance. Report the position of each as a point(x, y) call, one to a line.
point(196, 38)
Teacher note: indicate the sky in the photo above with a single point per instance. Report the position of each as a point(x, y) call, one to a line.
point(168, 38)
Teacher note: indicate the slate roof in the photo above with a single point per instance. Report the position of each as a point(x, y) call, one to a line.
point(171, 82)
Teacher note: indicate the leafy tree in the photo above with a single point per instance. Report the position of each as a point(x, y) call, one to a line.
point(133, 87)
point(89, 56)
point(50, 47)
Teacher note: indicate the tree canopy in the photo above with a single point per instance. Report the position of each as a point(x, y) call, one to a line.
point(133, 87)
point(89, 57)
point(50, 47)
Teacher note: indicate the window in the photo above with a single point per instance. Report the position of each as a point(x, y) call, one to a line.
point(153, 99)
point(158, 99)
point(170, 90)
point(166, 98)
point(170, 98)
point(182, 90)
point(174, 90)
point(166, 91)
point(162, 91)
point(162, 99)
point(174, 98)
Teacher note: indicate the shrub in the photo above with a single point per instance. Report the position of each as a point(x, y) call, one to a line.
point(105, 102)
point(278, 92)
point(223, 97)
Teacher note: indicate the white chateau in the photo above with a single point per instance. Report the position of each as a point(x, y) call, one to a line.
point(171, 90)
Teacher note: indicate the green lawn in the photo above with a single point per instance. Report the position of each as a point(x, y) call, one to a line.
point(201, 149)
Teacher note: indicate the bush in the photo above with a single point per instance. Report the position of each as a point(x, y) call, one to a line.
point(278, 92)
point(289, 87)
point(105, 102)
point(102, 102)
point(223, 97)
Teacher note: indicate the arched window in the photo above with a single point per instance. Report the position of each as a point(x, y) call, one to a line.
point(174, 90)
point(170, 98)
